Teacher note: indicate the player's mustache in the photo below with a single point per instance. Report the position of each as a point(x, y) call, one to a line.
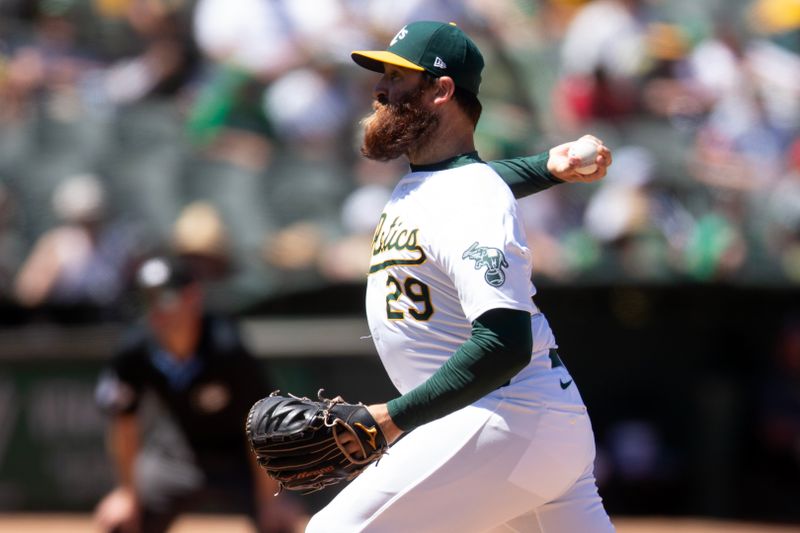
point(383, 110)
point(381, 103)
point(407, 102)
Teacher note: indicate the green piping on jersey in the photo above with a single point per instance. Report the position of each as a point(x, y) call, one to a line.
point(454, 162)
point(393, 262)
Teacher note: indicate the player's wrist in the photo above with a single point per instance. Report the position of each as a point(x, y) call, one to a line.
point(390, 430)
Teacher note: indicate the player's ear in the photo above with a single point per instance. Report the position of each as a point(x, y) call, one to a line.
point(445, 89)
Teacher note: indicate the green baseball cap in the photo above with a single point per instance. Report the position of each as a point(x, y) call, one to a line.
point(439, 48)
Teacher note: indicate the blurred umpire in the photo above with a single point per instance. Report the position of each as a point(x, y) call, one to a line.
point(193, 455)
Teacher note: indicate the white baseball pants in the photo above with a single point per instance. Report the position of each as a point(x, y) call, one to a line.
point(519, 460)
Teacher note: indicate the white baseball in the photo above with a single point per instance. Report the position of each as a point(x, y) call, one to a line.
point(586, 150)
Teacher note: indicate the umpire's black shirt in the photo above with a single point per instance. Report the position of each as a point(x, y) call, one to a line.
point(209, 395)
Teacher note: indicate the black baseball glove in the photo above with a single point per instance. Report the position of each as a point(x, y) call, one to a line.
point(298, 441)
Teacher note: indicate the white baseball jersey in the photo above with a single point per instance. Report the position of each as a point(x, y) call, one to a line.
point(448, 247)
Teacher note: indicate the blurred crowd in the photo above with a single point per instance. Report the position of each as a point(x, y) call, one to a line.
point(227, 131)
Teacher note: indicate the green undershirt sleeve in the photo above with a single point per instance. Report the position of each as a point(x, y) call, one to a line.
point(499, 347)
point(525, 175)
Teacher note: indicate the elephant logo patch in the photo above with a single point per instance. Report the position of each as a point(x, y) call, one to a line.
point(492, 259)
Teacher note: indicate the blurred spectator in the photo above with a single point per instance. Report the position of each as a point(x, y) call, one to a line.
point(274, 82)
point(251, 46)
point(346, 259)
point(201, 238)
point(304, 190)
point(619, 208)
point(237, 193)
point(602, 55)
point(11, 246)
point(144, 93)
point(782, 210)
point(560, 246)
point(625, 216)
point(168, 57)
point(48, 129)
point(307, 106)
point(716, 248)
point(741, 152)
point(615, 46)
point(86, 259)
point(755, 112)
point(194, 455)
point(773, 57)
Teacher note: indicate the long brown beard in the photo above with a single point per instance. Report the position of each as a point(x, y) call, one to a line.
point(395, 129)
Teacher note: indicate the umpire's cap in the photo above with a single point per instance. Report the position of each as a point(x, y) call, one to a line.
point(163, 272)
point(439, 48)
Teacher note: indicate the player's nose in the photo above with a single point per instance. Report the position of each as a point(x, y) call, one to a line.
point(379, 92)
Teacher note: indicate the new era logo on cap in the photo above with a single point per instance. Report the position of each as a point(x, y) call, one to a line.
point(439, 48)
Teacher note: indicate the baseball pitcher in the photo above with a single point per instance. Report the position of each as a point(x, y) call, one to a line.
point(495, 435)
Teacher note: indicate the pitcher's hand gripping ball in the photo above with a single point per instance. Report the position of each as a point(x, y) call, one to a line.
point(301, 442)
point(586, 150)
